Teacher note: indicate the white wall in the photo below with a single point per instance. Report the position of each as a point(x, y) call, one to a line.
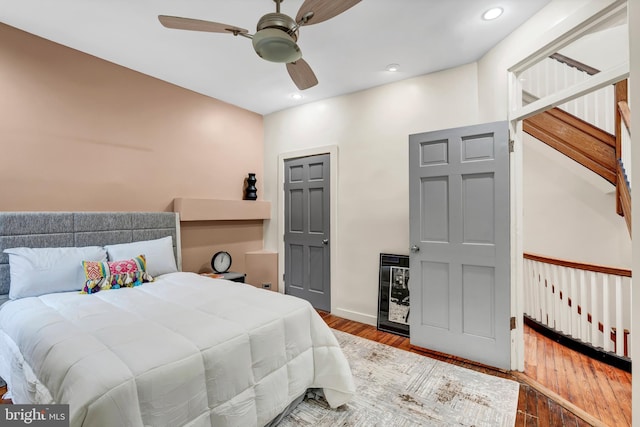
point(371, 130)
point(569, 211)
point(602, 50)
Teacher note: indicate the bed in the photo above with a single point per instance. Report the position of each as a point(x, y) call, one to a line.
point(181, 350)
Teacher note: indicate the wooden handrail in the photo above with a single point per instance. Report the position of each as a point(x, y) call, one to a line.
point(625, 112)
point(575, 64)
point(621, 96)
point(625, 197)
point(578, 265)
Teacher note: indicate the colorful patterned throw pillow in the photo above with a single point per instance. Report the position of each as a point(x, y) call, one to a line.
point(115, 274)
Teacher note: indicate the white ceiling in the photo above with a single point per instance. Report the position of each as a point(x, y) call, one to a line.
point(347, 53)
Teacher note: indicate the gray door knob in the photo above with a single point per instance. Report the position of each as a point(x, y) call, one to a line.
point(415, 248)
point(325, 241)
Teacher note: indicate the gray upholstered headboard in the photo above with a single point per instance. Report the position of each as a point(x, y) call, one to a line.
point(63, 229)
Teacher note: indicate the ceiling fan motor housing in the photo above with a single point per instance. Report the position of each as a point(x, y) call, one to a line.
point(280, 21)
point(275, 38)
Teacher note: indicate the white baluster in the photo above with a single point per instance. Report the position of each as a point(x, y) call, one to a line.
point(530, 305)
point(630, 315)
point(527, 287)
point(535, 82)
point(563, 302)
point(584, 324)
point(533, 290)
point(595, 332)
point(606, 310)
point(580, 106)
point(596, 106)
point(618, 312)
point(552, 77)
point(542, 292)
point(610, 100)
point(557, 304)
point(544, 81)
point(526, 79)
point(575, 322)
point(549, 318)
point(590, 113)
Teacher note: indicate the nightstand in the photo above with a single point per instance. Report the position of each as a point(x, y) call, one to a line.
point(229, 275)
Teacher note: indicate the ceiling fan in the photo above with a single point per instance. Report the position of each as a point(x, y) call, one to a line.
point(276, 34)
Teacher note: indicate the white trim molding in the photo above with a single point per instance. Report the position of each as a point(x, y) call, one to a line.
point(356, 316)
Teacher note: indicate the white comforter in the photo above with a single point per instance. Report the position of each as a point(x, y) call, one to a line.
point(184, 350)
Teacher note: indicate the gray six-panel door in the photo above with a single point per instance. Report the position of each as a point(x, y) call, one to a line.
point(459, 231)
point(306, 238)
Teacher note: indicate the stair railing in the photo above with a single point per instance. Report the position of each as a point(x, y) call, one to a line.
point(623, 151)
point(559, 72)
point(625, 157)
point(606, 109)
point(589, 303)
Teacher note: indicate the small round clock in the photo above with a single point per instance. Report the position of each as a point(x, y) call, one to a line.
point(221, 261)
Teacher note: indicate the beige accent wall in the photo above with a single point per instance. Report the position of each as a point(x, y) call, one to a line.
point(78, 133)
point(201, 239)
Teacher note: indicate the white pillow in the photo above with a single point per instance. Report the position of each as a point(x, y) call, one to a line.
point(39, 271)
point(158, 253)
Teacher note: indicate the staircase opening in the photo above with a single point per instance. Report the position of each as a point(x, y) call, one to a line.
point(571, 207)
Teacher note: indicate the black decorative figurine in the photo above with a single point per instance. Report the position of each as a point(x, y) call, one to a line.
point(251, 192)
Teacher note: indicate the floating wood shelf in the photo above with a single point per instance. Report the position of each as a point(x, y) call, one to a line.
point(221, 210)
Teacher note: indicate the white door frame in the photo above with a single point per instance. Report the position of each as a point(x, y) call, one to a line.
point(332, 150)
point(569, 30)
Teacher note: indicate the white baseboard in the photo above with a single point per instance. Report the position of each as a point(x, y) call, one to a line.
point(355, 316)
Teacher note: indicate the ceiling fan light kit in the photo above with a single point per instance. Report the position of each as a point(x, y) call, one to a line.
point(276, 46)
point(276, 34)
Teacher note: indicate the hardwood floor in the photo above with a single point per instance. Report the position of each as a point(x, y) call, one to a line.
point(602, 391)
point(571, 379)
point(3, 390)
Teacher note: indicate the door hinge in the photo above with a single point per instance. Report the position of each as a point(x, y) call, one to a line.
point(513, 323)
point(282, 278)
point(511, 145)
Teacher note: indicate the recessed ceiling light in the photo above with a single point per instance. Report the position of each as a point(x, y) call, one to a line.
point(295, 96)
point(492, 13)
point(393, 67)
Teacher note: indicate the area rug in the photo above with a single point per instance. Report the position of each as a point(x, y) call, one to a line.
point(399, 388)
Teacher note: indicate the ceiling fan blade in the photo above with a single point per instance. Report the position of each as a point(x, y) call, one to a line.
point(302, 74)
point(322, 10)
point(178, 23)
